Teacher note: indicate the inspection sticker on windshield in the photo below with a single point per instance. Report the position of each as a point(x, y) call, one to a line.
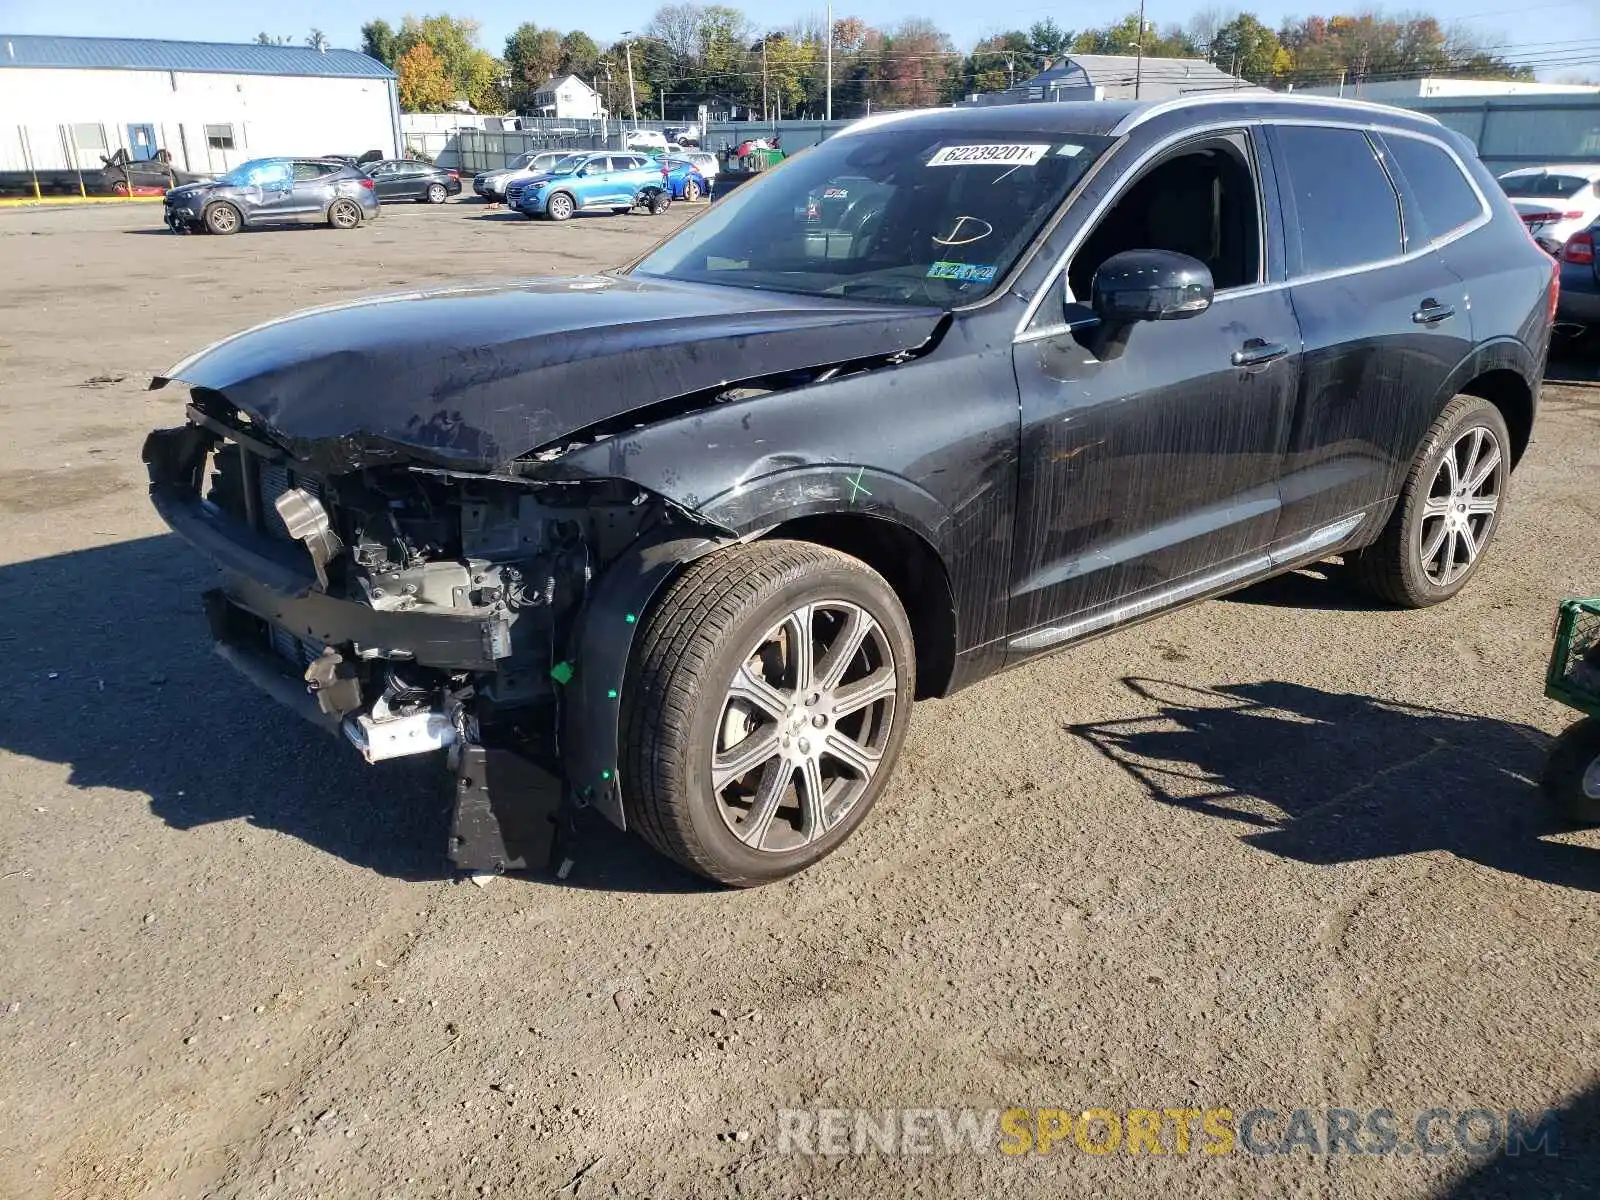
point(988, 156)
point(963, 272)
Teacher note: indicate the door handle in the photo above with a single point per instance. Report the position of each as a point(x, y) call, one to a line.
point(1432, 312)
point(1256, 352)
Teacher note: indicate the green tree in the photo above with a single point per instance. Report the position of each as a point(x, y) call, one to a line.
point(1123, 38)
point(424, 86)
point(579, 55)
point(1247, 48)
point(379, 41)
point(1047, 41)
point(472, 73)
point(316, 39)
point(532, 56)
point(266, 39)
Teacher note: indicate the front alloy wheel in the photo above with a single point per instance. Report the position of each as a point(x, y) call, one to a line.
point(767, 699)
point(559, 207)
point(803, 727)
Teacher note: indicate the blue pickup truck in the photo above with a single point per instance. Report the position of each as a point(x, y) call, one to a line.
point(605, 181)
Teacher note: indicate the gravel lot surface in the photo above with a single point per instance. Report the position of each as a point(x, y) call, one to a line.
point(1280, 850)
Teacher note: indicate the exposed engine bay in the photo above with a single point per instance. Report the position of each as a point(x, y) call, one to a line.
point(414, 608)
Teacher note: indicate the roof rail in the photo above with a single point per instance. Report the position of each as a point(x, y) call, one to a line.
point(1135, 119)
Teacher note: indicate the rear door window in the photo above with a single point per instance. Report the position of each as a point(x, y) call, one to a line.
point(1440, 192)
point(1339, 198)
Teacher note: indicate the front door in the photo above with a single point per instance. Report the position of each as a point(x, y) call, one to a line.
point(141, 142)
point(1385, 322)
point(1149, 471)
point(392, 181)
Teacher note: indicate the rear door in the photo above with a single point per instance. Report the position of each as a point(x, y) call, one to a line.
point(313, 189)
point(1383, 318)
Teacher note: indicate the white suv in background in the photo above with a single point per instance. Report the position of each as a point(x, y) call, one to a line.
point(1555, 202)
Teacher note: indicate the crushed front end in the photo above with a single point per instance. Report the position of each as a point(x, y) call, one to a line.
point(413, 608)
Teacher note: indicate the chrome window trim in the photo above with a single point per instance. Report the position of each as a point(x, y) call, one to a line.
point(1485, 212)
point(1135, 119)
point(1024, 334)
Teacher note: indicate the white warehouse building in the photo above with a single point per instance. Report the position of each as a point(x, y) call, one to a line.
point(68, 102)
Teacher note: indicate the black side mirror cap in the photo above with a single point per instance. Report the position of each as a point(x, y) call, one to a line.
point(1150, 285)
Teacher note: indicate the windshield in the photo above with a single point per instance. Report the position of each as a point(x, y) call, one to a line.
point(1543, 187)
point(912, 214)
point(521, 161)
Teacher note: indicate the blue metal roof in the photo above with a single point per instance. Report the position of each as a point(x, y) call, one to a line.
point(148, 54)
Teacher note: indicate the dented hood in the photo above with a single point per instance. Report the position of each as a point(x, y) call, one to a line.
point(472, 378)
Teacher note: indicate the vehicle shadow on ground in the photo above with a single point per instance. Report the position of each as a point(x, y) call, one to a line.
point(1568, 1165)
point(1331, 777)
point(110, 673)
point(1314, 587)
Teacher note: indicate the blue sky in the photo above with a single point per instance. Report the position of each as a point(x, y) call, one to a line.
point(1565, 31)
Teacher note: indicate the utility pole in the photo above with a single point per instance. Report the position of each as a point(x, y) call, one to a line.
point(663, 104)
point(1138, 69)
point(633, 100)
point(766, 112)
point(828, 110)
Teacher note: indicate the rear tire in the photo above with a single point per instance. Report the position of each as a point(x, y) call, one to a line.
point(222, 219)
point(1447, 513)
point(691, 192)
point(1571, 778)
point(820, 733)
point(344, 214)
point(437, 194)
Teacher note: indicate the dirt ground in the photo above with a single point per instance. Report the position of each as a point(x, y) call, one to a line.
point(1280, 850)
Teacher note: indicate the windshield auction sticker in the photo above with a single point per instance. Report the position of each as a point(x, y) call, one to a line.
point(987, 156)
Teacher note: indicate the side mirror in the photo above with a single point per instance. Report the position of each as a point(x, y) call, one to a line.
point(1150, 285)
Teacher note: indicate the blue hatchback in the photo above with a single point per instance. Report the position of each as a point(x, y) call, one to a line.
point(605, 181)
point(685, 180)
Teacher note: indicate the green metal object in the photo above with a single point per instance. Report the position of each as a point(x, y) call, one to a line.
point(1574, 674)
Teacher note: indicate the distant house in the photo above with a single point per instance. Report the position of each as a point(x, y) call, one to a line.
point(1117, 77)
point(567, 97)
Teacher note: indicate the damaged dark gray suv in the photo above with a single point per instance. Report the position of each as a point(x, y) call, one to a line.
point(949, 391)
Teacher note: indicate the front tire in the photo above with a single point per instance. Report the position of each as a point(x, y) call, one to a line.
point(1448, 510)
point(1571, 778)
point(559, 207)
point(764, 709)
point(222, 219)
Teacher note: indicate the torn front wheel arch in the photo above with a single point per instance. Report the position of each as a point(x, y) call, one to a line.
point(603, 642)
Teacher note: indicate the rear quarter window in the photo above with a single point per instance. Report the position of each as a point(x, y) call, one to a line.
point(1346, 210)
point(1444, 199)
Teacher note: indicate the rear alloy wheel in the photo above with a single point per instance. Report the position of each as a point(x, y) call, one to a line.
point(437, 193)
point(344, 214)
point(222, 218)
point(1572, 773)
point(691, 191)
point(559, 207)
point(1448, 509)
point(765, 707)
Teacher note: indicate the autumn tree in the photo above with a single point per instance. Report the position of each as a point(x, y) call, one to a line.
point(424, 85)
